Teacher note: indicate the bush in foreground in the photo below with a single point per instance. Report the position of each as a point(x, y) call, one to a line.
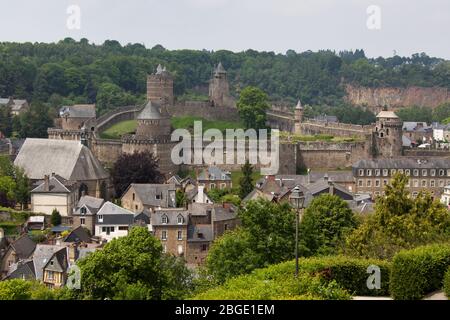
point(419, 271)
point(447, 282)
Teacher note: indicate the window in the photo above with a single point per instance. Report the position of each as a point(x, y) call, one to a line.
point(424, 172)
point(441, 172)
point(385, 172)
point(432, 184)
point(361, 172)
point(50, 275)
point(369, 172)
point(377, 183)
point(408, 184)
point(414, 194)
point(82, 221)
point(393, 171)
point(123, 228)
point(136, 207)
point(223, 185)
point(180, 249)
point(204, 247)
point(165, 219)
point(100, 218)
point(134, 196)
point(448, 172)
point(377, 172)
point(416, 172)
point(441, 183)
point(385, 182)
point(112, 229)
point(164, 235)
point(400, 170)
point(212, 185)
point(408, 172)
point(225, 227)
point(180, 235)
point(424, 183)
point(369, 183)
point(158, 196)
point(416, 183)
point(360, 183)
point(180, 219)
point(432, 172)
point(83, 210)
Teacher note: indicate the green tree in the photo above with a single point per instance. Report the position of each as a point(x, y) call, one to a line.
point(271, 229)
point(18, 289)
point(7, 191)
point(22, 192)
point(246, 181)
point(326, 222)
point(5, 121)
point(399, 222)
point(55, 218)
point(181, 199)
point(252, 106)
point(35, 122)
point(232, 255)
point(133, 267)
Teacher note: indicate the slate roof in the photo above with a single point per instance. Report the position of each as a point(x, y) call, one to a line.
point(220, 68)
point(42, 256)
point(58, 262)
point(194, 232)
point(172, 215)
point(416, 126)
point(114, 215)
point(200, 209)
point(22, 269)
point(78, 235)
point(142, 217)
point(78, 111)
point(69, 159)
point(147, 192)
point(23, 247)
point(221, 214)
point(403, 163)
point(153, 111)
point(91, 204)
point(57, 184)
point(214, 173)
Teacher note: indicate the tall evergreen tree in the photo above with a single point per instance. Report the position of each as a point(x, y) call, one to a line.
point(246, 181)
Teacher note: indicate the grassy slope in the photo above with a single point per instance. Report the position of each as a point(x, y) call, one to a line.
point(119, 129)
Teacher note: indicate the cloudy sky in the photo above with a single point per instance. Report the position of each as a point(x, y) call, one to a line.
point(405, 26)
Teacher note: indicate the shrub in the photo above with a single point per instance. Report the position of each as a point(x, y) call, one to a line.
point(447, 282)
point(419, 271)
point(349, 273)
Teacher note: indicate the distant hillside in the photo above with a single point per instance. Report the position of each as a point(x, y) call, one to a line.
point(70, 71)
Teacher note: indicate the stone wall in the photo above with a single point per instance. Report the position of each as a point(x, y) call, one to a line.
point(336, 129)
point(106, 151)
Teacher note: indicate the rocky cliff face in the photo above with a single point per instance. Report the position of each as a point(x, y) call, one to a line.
point(376, 98)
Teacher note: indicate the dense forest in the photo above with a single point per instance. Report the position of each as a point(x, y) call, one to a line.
point(111, 74)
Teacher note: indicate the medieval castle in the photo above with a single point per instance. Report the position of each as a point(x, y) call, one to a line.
point(380, 140)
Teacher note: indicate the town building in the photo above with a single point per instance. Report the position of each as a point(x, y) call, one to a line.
point(113, 221)
point(141, 196)
point(74, 117)
point(85, 212)
point(418, 132)
point(445, 197)
point(54, 192)
point(20, 249)
point(214, 178)
point(68, 159)
point(431, 174)
point(17, 106)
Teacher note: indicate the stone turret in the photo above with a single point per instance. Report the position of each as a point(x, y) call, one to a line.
point(298, 117)
point(219, 89)
point(160, 86)
point(388, 135)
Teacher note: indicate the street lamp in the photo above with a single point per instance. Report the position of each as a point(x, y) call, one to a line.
point(297, 199)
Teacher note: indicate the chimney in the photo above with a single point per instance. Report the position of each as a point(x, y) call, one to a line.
point(226, 205)
point(309, 175)
point(46, 183)
point(331, 186)
point(73, 249)
point(201, 193)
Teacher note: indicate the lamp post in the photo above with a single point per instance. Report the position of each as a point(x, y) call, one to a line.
point(297, 199)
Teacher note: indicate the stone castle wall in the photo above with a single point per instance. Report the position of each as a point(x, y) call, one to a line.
point(204, 110)
point(337, 129)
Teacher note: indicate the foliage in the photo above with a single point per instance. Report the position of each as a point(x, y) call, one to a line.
point(55, 218)
point(326, 222)
point(14, 184)
point(181, 199)
point(35, 122)
point(216, 195)
point(265, 284)
point(133, 267)
point(416, 114)
point(231, 255)
point(139, 167)
point(399, 222)
point(246, 181)
point(419, 271)
point(18, 289)
point(447, 282)
point(252, 106)
point(6, 120)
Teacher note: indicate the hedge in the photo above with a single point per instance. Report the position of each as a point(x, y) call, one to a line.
point(333, 277)
point(447, 283)
point(419, 271)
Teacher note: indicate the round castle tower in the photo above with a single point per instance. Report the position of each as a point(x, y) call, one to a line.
point(298, 117)
point(153, 133)
point(388, 135)
point(160, 86)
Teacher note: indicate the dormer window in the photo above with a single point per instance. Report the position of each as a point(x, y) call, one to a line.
point(83, 210)
point(200, 235)
point(158, 196)
point(180, 219)
point(165, 219)
point(100, 218)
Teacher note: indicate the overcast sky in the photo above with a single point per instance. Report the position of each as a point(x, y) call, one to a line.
point(406, 26)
